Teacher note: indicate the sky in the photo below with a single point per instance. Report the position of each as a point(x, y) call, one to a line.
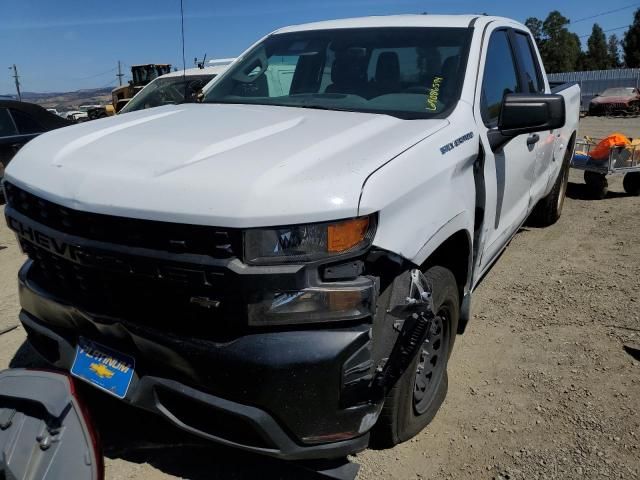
point(64, 45)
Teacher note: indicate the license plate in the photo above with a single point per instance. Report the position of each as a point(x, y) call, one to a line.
point(103, 367)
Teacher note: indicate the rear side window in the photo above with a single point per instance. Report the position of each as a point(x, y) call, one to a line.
point(26, 123)
point(500, 76)
point(530, 66)
point(7, 127)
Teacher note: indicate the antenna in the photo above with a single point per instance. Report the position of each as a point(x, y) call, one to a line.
point(200, 65)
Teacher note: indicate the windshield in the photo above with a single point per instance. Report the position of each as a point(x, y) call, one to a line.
point(168, 91)
point(617, 92)
point(406, 72)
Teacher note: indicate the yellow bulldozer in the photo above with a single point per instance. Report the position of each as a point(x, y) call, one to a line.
point(141, 75)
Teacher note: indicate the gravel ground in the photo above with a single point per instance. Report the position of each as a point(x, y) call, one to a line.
point(540, 385)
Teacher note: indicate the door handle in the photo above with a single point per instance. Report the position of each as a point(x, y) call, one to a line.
point(533, 139)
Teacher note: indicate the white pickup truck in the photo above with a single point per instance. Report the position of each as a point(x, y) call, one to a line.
point(284, 266)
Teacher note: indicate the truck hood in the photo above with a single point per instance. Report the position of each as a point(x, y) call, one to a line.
point(214, 164)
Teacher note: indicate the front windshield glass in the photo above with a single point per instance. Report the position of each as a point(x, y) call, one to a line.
point(406, 72)
point(617, 92)
point(168, 91)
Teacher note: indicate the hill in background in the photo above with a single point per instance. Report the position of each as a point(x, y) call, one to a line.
point(69, 100)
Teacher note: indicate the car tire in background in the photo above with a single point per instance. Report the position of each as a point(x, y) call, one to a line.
point(631, 183)
point(597, 184)
point(416, 397)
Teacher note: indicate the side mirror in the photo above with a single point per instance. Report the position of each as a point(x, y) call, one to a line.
point(527, 113)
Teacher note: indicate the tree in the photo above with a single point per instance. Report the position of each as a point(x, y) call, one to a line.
point(535, 25)
point(559, 48)
point(597, 51)
point(631, 43)
point(613, 49)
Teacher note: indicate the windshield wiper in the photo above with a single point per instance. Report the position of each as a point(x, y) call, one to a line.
point(294, 105)
point(322, 107)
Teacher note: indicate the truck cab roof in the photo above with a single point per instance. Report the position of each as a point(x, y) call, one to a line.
point(460, 21)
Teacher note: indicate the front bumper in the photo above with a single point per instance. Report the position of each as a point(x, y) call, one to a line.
point(288, 394)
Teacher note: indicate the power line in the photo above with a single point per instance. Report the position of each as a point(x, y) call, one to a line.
point(109, 84)
point(119, 74)
point(16, 77)
point(605, 31)
point(97, 74)
point(604, 13)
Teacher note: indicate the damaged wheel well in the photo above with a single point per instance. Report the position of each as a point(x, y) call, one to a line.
point(453, 254)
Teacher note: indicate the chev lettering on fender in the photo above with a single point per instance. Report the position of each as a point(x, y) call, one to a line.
point(456, 143)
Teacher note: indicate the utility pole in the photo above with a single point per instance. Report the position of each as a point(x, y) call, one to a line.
point(17, 79)
point(120, 74)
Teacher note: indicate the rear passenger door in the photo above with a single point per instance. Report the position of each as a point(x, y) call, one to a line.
point(510, 170)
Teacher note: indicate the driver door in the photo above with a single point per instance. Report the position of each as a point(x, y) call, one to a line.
point(510, 170)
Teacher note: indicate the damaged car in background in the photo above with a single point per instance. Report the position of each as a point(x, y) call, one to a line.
point(284, 266)
point(616, 101)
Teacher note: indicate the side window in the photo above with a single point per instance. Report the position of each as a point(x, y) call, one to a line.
point(26, 123)
point(530, 66)
point(500, 76)
point(7, 127)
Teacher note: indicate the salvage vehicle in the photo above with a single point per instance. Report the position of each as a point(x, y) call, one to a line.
point(175, 87)
point(285, 272)
point(619, 100)
point(141, 75)
point(21, 122)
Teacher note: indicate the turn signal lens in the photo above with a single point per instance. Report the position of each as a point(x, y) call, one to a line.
point(315, 305)
point(345, 235)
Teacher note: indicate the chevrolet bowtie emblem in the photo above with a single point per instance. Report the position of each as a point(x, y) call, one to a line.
point(205, 302)
point(100, 370)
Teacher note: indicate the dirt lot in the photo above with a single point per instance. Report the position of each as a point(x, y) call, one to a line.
point(540, 385)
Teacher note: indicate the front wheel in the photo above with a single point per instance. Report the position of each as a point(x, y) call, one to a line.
point(413, 402)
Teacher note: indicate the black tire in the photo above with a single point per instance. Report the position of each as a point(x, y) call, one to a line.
point(548, 210)
point(597, 184)
point(407, 408)
point(631, 183)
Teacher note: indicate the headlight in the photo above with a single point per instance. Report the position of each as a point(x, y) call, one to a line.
point(303, 243)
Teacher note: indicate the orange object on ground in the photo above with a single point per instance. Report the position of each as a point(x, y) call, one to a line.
point(601, 151)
